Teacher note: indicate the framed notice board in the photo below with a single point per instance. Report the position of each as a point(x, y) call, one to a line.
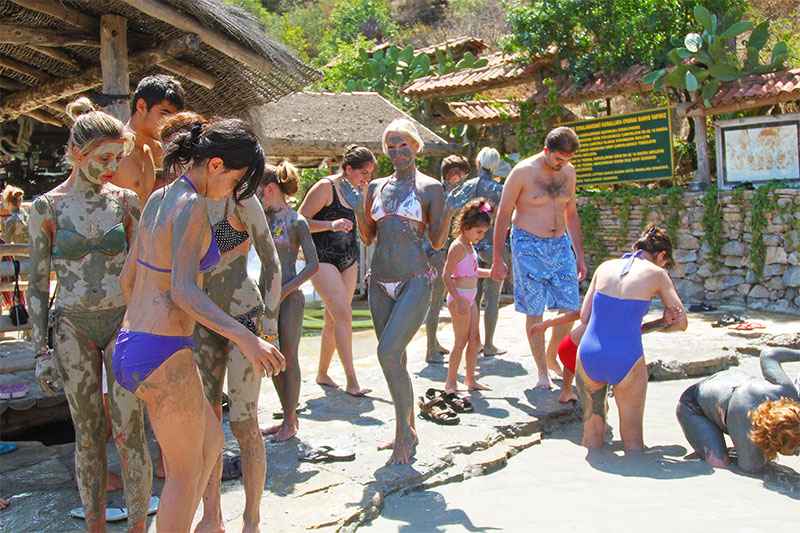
point(758, 150)
point(632, 147)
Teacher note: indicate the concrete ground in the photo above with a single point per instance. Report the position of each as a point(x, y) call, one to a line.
point(504, 436)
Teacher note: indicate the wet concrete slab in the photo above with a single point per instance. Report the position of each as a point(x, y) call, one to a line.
point(508, 420)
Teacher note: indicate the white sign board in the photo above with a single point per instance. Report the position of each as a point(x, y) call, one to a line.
point(758, 150)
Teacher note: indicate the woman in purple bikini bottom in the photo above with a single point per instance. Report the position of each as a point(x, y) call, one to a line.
point(161, 284)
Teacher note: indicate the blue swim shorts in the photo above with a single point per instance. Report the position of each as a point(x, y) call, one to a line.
point(545, 273)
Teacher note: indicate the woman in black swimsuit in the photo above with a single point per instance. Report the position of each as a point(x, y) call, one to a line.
point(333, 228)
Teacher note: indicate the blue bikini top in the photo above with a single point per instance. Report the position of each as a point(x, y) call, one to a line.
point(209, 260)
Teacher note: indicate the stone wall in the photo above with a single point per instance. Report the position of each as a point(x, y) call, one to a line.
point(734, 282)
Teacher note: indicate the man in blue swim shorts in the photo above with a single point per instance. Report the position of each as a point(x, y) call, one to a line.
point(546, 242)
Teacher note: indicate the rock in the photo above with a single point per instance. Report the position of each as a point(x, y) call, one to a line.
point(743, 289)
point(782, 306)
point(775, 254)
point(731, 217)
point(735, 248)
point(775, 284)
point(784, 340)
point(759, 291)
point(729, 282)
point(758, 304)
point(661, 370)
point(794, 258)
point(705, 271)
point(752, 351)
point(734, 261)
point(689, 291)
point(681, 270)
point(684, 256)
point(791, 278)
point(688, 242)
point(774, 270)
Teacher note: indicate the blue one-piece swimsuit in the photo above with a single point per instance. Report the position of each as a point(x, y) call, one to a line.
point(612, 342)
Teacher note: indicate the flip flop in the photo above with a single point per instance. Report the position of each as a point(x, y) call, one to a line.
point(7, 447)
point(438, 411)
point(12, 391)
point(326, 454)
point(748, 326)
point(113, 514)
point(459, 404)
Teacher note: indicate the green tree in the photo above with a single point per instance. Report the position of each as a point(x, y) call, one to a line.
point(352, 18)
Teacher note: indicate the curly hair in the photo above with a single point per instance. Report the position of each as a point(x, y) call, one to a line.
point(477, 212)
point(776, 427)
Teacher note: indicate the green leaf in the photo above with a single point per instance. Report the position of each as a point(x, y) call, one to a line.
point(653, 77)
point(714, 24)
point(724, 72)
point(677, 78)
point(704, 57)
point(691, 82)
point(703, 16)
point(480, 63)
point(758, 37)
point(779, 53)
point(710, 90)
point(736, 30)
point(700, 73)
point(407, 54)
point(674, 57)
point(683, 53)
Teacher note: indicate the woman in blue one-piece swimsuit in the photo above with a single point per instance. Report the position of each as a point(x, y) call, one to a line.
point(611, 351)
point(162, 284)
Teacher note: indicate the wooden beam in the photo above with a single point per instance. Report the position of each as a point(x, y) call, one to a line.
point(56, 108)
point(23, 101)
point(190, 72)
point(114, 63)
point(22, 68)
point(751, 104)
point(27, 35)
point(212, 38)
point(7, 84)
point(59, 55)
point(44, 118)
point(59, 11)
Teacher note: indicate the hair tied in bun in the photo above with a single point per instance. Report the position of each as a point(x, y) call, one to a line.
point(197, 129)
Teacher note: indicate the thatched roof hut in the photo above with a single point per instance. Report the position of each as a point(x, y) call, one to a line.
point(307, 128)
point(53, 50)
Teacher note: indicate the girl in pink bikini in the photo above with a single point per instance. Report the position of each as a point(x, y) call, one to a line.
point(461, 275)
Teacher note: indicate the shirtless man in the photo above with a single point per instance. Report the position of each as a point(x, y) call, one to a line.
point(155, 97)
point(540, 193)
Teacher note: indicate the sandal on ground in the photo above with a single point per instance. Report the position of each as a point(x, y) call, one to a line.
point(459, 404)
point(326, 454)
point(727, 319)
point(432, 394)
point(7, 447)
point(113, 514)
point(437, 411)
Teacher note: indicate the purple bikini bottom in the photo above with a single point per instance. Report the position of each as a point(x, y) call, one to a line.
point(138, 354)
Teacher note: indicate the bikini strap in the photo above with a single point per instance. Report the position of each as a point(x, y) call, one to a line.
point(626, 267)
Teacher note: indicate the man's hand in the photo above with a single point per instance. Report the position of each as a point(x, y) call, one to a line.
point(499, 270)
point(582, 271)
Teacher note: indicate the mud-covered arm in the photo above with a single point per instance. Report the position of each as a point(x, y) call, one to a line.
point(439, 216)
point(187, 249)
point(132, 218)
point(303, 235)
point(252, 216)
point(362, 204)
point(771, 365)
point(40, 229)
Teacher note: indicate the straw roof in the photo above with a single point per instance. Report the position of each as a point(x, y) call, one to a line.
point(307, 128)
point(231, 64)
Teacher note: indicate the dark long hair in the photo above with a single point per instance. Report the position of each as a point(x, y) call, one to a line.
point(231, 140)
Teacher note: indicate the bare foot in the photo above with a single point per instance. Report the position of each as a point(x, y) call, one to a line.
point(544, 383)
point(267, 431)
point(492, 350)
point(476, 386)
point(357, 391)
point(435, 357)
point(404, 449)
point(4, 504)
point(251, 528)
point(210, 526)
point(567, 396)
point(326, 381)
point(450, 388)
point(113, 482)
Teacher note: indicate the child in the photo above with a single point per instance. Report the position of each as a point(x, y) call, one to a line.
point(461, 275)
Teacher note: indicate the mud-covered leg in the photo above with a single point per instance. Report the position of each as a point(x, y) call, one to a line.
point(287, 383)
point(79, 361)
point(593, 397)
point(435, 352)
point(127, 418)
point(211, 357)
point(704, 436)
point(244, 386)
point(396, 322)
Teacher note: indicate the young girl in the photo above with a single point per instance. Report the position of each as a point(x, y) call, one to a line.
point(461, 275)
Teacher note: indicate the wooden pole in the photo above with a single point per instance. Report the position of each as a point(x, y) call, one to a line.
point(114, 63)
point(702, 178)
point(214, 39)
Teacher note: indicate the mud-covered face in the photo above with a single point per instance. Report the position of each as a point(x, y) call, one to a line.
point(359, 177)
point(401, 150)
point(100, 165)
point(557, 160)
point(475, 234)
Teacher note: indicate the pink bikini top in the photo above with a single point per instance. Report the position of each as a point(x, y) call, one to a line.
point(467, 267)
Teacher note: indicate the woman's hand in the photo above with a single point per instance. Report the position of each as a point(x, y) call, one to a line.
point(47, 374)
point(264, 356)
point(539, 327)
point(342, 225)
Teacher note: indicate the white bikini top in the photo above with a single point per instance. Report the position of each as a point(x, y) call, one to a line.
point(410, 208)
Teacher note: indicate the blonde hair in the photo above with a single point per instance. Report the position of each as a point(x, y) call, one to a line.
point(488, 158)
point(404, 127)
point(90, 125)
point(12, 195)
point(776, 427)
point(285, 176)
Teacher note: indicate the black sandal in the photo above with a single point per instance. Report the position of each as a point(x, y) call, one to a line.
point(437, 411)
point(459, 404)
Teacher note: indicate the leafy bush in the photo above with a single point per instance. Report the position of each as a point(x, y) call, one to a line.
point(350, 19)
